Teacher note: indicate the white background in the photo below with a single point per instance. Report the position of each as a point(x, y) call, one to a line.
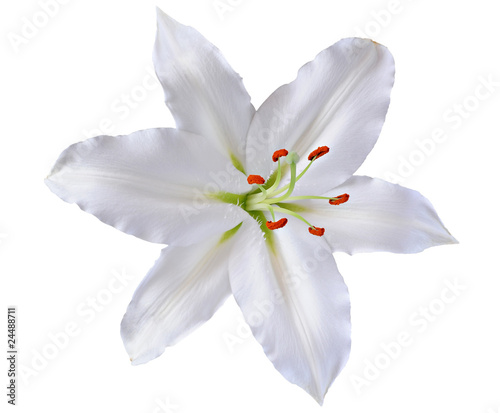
point(70, 78)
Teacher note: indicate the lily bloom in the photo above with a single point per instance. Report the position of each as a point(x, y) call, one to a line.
point(252, 203)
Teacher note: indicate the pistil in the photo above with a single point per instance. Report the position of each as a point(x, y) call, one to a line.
point(267, 200)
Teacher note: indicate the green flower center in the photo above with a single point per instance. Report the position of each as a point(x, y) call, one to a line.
point(281, 200)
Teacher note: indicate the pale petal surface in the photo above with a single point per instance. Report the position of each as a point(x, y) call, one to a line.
point(379, 216)
point(180, 187)
point(296, 303)
point(151, 184)
point(183, 290)
point(340, 100)
point(205, 95)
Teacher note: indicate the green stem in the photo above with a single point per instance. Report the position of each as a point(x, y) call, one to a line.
point(291, 185)
point(263, 190)
point(293, 214)
point(298, 198)
point(271, 210)
point(298, 177)
point(278, 178)
point(305, 169)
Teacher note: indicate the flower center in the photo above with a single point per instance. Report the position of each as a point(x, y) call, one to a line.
point(272, 198)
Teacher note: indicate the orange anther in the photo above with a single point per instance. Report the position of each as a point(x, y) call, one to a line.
point(339, 199)
point(317, 231)
point(278, 154)
point(322, 150)
point(278, 224)
point(255, 179)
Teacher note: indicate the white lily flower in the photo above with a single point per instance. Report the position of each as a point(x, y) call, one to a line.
point(237, 194)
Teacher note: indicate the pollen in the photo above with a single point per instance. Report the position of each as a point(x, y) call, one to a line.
point(278, 154)
point(339, 199)
point(277, 198)
point(255, 179)
point(317, 153)
point(317, 231)
point(278, 224)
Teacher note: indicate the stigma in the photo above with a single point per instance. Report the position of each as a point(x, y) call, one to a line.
point(278, 200)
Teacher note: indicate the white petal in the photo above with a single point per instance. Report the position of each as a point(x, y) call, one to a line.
point(296, 303)
point(379, 216)
point(151, 184)
point(183, 290)
point(205, 95)
point(340, 100)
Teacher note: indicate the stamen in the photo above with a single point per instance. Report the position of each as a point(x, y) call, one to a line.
point(317, 153)
point(278, 224)
point(339, 199)
point(271, 199)
point(277, 181)
point(255, 179)
point(317, 231)
point(278, 154)
point(292, 158)
point(271, 210)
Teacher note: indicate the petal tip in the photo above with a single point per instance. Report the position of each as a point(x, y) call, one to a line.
point(135, 361)
point(319, 399)
point(165, 19)
point(160, 12)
